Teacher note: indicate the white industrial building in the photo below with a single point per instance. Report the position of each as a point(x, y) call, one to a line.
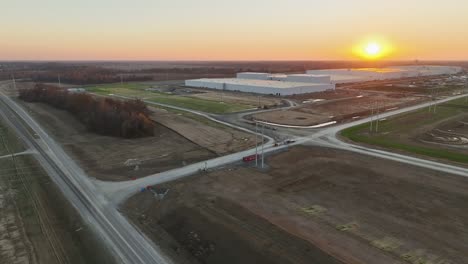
point(315, 80)
point(253, 75)
point(260, 86)
point(306, 78)
point(388, 73)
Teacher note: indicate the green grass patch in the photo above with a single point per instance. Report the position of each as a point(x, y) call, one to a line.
point(391, 131)
point(138, 91)
point(200, 104)
point(119, 85)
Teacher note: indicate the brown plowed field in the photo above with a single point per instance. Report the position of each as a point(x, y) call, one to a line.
point(340, 110)
point(314, 205)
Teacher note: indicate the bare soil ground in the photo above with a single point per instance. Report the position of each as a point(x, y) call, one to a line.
point(110, 158)
point(210, 135)
point(37, 224)
point(331, 206)
point(451, 134)
point(340, 110)
point(237, 98)
point(326, 95)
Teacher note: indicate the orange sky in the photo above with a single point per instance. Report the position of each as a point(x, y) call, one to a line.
point(234, 30)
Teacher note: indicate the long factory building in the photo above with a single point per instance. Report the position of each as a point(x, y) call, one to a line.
point(265, 83)
point(388, 73)
point(315, 80)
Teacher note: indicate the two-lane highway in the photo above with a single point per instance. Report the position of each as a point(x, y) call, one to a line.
point(127, 243)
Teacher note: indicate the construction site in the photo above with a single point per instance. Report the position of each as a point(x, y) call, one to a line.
point(330, 207)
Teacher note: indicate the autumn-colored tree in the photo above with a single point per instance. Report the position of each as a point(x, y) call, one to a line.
point(106, 116)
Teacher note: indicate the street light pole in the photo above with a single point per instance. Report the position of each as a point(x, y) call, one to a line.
point(14, 83)
point(256, 144)
point(378, 117)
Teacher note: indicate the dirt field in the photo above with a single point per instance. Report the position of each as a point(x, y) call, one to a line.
point(452, 134)
point(357, 209)
point(237, 98)
point(326, 95)
point(37, 224)
point(340, 110)
point(109, 158)
point(212, 136)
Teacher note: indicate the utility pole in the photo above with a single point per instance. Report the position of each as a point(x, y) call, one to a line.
point(14, 83)
point(432, 99)
point(378, 117)
point(256, 143)
point(371, 118)
point(263, 156)
point(466, 90)
point(222, 91)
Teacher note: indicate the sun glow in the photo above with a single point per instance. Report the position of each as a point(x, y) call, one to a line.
point(372, 49)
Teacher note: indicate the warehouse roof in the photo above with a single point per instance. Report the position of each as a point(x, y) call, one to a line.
point(309, 75)
point(261, 83)
point(253, 73)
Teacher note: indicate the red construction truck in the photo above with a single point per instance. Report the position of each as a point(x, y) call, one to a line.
point(250, 158)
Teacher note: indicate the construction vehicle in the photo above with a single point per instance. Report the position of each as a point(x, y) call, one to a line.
point(250, 158)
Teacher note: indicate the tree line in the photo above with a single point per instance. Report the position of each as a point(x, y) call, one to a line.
point(105, 116)
point(71, 74)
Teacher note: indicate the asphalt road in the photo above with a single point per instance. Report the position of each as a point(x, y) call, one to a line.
point(127, 243)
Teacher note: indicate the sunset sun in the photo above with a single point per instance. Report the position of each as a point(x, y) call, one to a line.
point(372, 49)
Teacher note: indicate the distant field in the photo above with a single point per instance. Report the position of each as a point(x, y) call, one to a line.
point(408, 132)
point(137, 90)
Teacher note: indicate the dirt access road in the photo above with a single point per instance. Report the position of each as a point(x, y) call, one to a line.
point(355, 208)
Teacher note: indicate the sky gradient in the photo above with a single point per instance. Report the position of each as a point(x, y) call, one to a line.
point(231, 30)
